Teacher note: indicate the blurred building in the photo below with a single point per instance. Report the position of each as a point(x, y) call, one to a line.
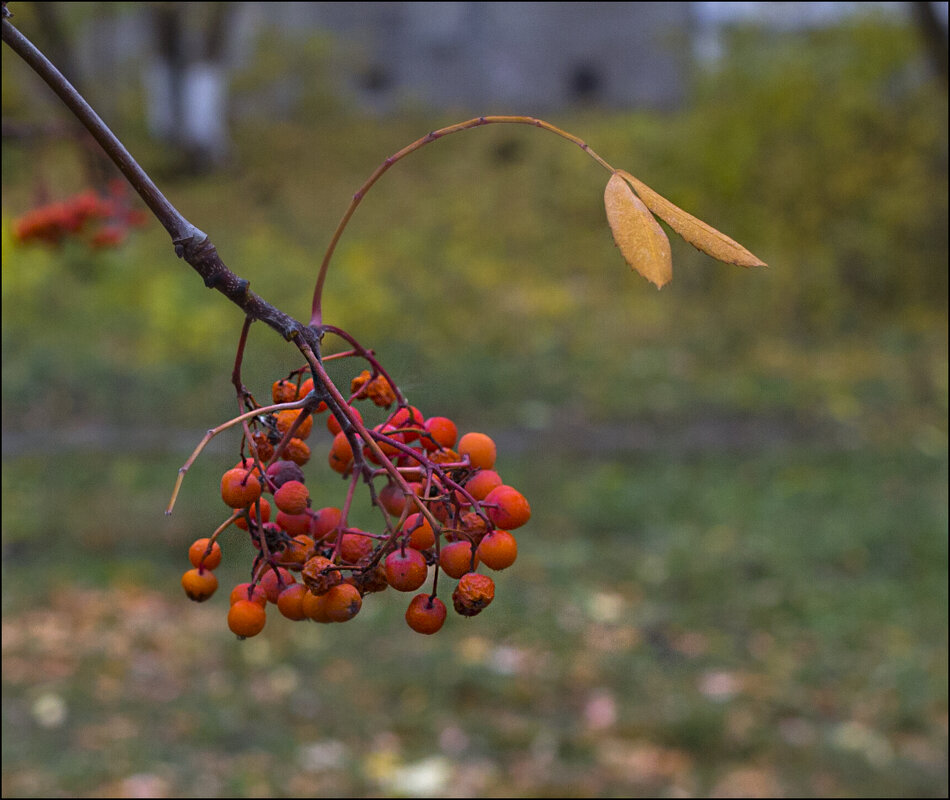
point(494, 57)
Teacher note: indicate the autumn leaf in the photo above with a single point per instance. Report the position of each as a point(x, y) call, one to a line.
point(700, 235)
point(639, 236)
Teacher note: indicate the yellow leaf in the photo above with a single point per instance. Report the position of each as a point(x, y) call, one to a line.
point(700, 235)
point(639, 236)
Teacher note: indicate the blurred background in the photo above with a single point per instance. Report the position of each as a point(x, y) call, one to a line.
point(735, 579)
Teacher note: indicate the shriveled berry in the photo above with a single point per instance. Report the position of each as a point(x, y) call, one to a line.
point(286, 419)
point(284, 391)
point(319, 575)
point(472, 594)
point(298, 451)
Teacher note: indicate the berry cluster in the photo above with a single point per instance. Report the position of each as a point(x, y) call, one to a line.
point(97, 220)
point(444, 509)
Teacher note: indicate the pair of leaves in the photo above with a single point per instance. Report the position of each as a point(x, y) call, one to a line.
point(642, 241)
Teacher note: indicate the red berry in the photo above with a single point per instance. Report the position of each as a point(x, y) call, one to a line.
point(406, 570)
point(442, 430)
point(507, 507)
point(425, 614)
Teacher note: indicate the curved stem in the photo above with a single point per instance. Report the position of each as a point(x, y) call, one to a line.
point(316, 315)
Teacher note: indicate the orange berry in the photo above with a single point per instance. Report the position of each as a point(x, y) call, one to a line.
point(292, 498)
point(425, 614)
point(324, 522)
point(286, 419)
point(343, 602)
point(272, 585)
point(204, 554)
point(498, 549)
point(298, 451)
point(305, 388)
point(199, 585)
point(249, 591)
point(421, 535)
point(406, 570)
point(507, 507)
point(284, 391)
point(333, 424)
point(356, 546)
point(442, 430)
point(457, 558)
point(473, 593)
point(314, 606)
point(444, 456)
point(482, 482)
point(241, 522)
point(294, 524)
point(265, 450)
point(290, 601)
point(479, 448)
point(298, 550)
point(246, 618)
point(341, 454)
point(239, 488)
